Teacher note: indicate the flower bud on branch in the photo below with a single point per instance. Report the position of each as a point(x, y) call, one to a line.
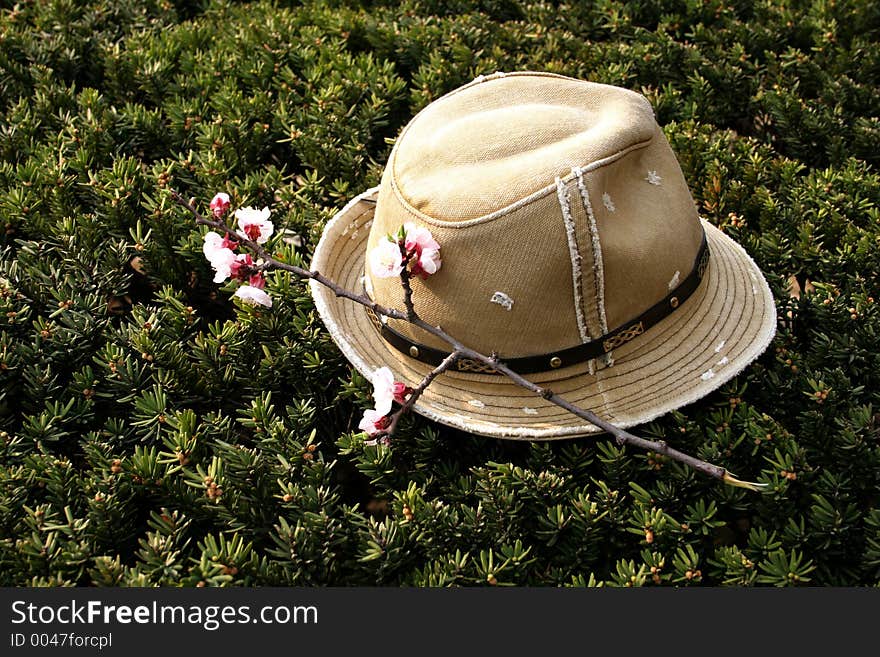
point(219, 204)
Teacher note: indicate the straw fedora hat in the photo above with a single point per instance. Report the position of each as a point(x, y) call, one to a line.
point(570, 246)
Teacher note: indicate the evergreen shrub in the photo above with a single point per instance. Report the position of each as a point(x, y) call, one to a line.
point(157, 432)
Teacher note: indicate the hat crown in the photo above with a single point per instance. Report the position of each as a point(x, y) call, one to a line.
point(504, 137)
point(560, 209)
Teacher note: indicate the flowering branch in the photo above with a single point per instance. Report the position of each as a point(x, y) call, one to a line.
point(448, 362)
point(413, 247)
point(271, 263)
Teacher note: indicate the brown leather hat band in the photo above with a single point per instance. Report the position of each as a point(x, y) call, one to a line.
point(565, 357)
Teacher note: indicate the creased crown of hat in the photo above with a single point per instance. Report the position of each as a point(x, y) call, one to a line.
point(571, 248)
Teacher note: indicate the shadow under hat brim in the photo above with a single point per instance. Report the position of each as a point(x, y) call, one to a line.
point(711, 337)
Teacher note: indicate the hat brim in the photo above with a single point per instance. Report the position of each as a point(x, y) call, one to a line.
point(718, 331)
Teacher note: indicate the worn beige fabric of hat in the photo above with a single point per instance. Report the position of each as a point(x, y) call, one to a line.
point(562, 214)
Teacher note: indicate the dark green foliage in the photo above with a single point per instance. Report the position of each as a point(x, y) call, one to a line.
point(155, 432)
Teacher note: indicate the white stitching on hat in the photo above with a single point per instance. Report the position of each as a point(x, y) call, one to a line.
point(529, 411)
point(609, 204)
point(653, 178)
point(724, 361)
point(502, 300)
point(598, 265)
point(476, 403)
point(708, 374)
point(490, 76)
point(720, 346)
point(672, 283)
point(562, 194)
point(513, 207)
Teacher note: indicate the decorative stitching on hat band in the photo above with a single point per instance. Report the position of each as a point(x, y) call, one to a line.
point(565, 357)
point(575, 254)
point(598, 265)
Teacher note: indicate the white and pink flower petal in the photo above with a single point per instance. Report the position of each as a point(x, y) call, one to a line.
point(373, 422)
point(383, 389)
point(385, 258)
point(253, 296)
point(219, 204)
point(254, 224)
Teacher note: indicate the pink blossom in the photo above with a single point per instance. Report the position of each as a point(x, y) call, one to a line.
point(373, 422)
point(418, 238)
point(428, 263)
point(386, 261)
point(424, 248)
point(422, 253)
point(254, 224)
point(401, 391)
point(383, 389)
point(220, 257)
point(228, 243)
point(386, 390)
point(257, 280)
point(254, 296)
point(241, 266)
point(220, 204)
point(213, 241)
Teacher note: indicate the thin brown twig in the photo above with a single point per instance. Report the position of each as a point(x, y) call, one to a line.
point(461, 351)
point(406, 283)
point(411, 399)
point(407, 295)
